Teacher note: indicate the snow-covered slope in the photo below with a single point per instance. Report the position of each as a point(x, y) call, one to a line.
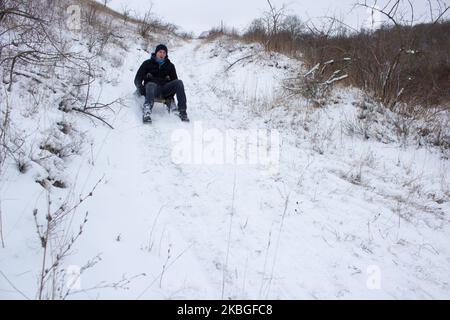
point(329, 216)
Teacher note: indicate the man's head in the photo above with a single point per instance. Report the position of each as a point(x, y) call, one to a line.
point(161, 51)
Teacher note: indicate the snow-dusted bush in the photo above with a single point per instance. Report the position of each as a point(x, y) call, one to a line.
point(316, 85)
point(422, 127)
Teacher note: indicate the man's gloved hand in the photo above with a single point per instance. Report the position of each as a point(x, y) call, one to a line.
point(148, 76)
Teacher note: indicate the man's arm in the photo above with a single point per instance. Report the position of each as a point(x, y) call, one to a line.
point(173, 73)
point(140, 75)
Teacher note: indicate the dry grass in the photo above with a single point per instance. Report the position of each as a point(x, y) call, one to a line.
point(146, 24)
point(98, 7)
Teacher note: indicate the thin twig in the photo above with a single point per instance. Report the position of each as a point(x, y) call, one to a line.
point(150, 242)
point(275, 258)
point(224, 270)
point(231, 65)
point(13, 286)
point(1, 226)
point(167, 268)
point(92, 115)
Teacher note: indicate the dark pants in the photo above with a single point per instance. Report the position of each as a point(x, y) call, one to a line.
point(153, 90)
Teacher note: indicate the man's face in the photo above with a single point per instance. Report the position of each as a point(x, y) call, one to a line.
point(161, 54)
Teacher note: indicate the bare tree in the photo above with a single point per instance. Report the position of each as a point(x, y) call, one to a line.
point(56, 242)
point(400, 13)
point(293, 25)
point(126, 13)
point(146, 24)
point(273, 19)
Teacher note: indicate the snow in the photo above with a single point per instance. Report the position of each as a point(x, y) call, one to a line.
point(335, 79)
point(337, 217)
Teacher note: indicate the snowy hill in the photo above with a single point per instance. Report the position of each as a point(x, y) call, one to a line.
point(318, 213)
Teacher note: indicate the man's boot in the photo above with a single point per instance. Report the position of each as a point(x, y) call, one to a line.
point(147, 112)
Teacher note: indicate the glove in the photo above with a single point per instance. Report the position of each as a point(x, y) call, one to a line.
point(149, 76)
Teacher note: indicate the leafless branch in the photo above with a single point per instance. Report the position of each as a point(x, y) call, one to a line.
point(13, 286)
point(238, 60)
point(1, 226)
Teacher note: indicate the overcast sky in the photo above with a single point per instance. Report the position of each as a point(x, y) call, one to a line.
point(201, 15)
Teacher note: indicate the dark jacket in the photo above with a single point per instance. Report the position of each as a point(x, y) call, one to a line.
point(151, 71)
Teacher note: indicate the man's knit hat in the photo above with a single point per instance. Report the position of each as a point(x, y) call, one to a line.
point(161, 47)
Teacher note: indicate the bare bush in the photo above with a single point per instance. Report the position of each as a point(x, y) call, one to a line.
point(277, 30)
point(375, 122)
point(34, 49)
point(317, 83)
point(220, 31)
point(403, 64)
point(402, 61)
point(126, 13)
point(146, 24)
point(57, 243)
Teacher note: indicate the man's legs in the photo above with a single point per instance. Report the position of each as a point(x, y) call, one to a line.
point(176, 87)
point(152, 91)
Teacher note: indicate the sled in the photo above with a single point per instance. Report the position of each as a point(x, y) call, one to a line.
point(169, 102)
